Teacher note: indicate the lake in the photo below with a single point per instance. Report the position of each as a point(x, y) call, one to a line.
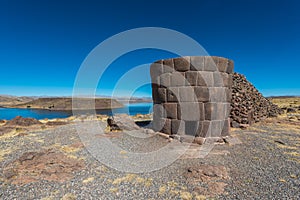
point(131, 109)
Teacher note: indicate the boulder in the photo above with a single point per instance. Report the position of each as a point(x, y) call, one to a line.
point(124, 122)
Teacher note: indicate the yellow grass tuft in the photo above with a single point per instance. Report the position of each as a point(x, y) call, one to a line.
point(186, 196)
point(200, 197)
point(69, 196)
point(282, 180)
point(88, 180)
point(114, 190)
point(293, 153)
point(162, 190)
point(128, 178)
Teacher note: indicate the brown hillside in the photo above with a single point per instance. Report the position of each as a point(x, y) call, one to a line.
point(66, 104)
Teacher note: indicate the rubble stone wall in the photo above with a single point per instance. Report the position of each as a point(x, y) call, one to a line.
point(192, 95)
point(248, 105)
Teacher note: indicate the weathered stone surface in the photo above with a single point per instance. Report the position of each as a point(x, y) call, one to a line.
point(228, 94)
point(183, 92)
point(218, 79)
point(178, 80)
point(202, 94)
point(230, 67)
point(210, 64)
point(222, 64)
point(205, 79)
point(171, 110)
point(167, 128)
point(173, 94)
point(216, 128)
point(225, 128)
point(158, 122)
point(165, 80)
point(192, 128)
point(189, 111)
point(162, 94)
point(197, 63)
point(156, 69)
point(205, 129)
point(187, 94)
point(125, 122)
point(192, 77)
point(226, 79)
point(155, 93)
point(168, 66)
point(178, 127)
point(216, 111)
point(159, 110)
point(182, 64)
point(217, 94)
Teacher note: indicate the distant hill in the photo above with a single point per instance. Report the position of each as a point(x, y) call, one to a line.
point(66, 104)
point(7, 100)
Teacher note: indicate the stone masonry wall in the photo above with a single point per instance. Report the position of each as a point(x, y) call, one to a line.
point(248, 105)
point(192, 95)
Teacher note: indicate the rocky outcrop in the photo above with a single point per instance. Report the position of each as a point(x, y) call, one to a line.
point(248, 105)
point(20, 121)
point(47, 165)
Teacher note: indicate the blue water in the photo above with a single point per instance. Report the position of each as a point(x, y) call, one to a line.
point(131, 109)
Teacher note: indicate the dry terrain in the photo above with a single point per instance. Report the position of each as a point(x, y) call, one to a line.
point(66, 104)
point(6, 100)
point(47, 160)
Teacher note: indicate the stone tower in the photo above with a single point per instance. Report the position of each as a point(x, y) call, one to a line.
point(192, 95)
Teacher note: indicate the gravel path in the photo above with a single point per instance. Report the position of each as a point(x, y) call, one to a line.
point(260, 168)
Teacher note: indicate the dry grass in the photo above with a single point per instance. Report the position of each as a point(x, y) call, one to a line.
point(286, 102)
point(88, 180)
point(5, 152)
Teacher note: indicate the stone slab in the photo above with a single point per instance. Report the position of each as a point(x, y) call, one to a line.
point(182, 64)
point(197, 63)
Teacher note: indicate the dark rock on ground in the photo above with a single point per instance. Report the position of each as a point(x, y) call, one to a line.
point(291, 110)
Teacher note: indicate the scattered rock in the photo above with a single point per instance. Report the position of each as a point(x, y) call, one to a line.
point(248, 105)
point(2, 121)
point(112, 125)
point(279, 142)
point(44, 165)
point(205, 172)
point(234, 124)
point(214, 140)
point(211, 176)
point(149, 131)
point(232, 140)
point(199, 140)
point(125, 122)
point(244, 126)
point(20, 121)
point(56, 123)
point(291, 110)
point(187, 138)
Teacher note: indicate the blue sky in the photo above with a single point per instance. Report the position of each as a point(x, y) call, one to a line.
point(43, 43)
